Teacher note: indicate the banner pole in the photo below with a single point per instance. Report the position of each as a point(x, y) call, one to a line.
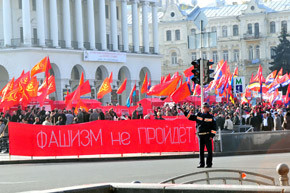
point(201, 65)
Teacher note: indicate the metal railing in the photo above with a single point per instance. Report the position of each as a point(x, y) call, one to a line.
point(87, 45)
point(75, 45)
point(62, 43)
point(98, 46)
point(242, 176)
point(151, 50)
point(49, 43)
point(110, 47)
point(16, 42)
point(2, 44)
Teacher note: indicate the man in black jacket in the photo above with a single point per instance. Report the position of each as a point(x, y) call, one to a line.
point(206, 130)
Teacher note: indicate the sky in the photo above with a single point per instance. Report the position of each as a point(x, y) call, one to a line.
point(203, 3)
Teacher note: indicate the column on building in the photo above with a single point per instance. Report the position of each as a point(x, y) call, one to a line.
point(26, 22)
point(145, 27)
point(114, 33)
point(79, 23)
point(67, 23)
point(155, 28)
point(125, 25)
point(7, 24)
point(53, 23)
point(135, 25)
point(102, 27)
point(91, 24)
point(40, 22)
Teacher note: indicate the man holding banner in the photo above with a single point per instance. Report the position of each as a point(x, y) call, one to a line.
point(206, 130)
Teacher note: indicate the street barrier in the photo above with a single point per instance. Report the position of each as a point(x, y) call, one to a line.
point(267, 142)
point(103, 137)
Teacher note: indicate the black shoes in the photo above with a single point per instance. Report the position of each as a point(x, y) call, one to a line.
point(201, 166)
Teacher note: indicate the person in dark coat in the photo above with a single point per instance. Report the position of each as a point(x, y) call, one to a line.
point(220, 121)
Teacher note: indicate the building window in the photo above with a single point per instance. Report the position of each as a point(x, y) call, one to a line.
point(192, 32)
point(251, 53)
point(257, 52)
point(236, 55)
point(272, 27)
point(33, 5)
point(235, 30)
point(168, 35)
point(284, 25)
point(225, 31)
point(215, 56)
point(177, 34)
point(257, 30)
point(273, 54)
point(226, 55)
point(174, 58)
point(213, 29)
point(117, 12)
point(204, 55)
point(21, 35)
point(250, 28)
point(20, 4)
point(193, 56)
point(107, 11)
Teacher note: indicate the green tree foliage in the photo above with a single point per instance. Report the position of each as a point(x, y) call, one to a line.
point(282, 54)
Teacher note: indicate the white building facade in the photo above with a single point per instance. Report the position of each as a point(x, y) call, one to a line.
point(246, 34)
point(70, 30)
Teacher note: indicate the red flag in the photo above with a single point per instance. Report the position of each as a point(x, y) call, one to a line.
point(162, 79)
point(50, 85)
point(10, 99)
point(111, 78)
point(81, 105)
point(181, 93)
point(236, 72)
point(287, 99)
point(104, 89)
point(188, 72)
point(168, 77)
point(197, 90)
point(82, 79)
point(30, 91)
point(43, 66)
point(83, 89)
point(164, 89)
point(9, 87)
point(122, 88)
point(132, 94)
point(145, 84)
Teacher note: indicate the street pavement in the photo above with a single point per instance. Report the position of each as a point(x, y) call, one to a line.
point(25, 177)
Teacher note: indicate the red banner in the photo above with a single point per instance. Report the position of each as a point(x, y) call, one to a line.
point(103, 137)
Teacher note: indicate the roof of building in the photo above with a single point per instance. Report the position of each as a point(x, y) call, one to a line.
point(235, 10)
point(223, 11)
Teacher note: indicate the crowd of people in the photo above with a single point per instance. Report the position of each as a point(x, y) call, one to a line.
point(260, 117)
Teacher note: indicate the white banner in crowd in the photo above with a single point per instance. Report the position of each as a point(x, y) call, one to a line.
point(97, 56)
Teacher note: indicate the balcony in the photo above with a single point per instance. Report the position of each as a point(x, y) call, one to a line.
point(18, 43)
point(251, 37)
point(252, 63)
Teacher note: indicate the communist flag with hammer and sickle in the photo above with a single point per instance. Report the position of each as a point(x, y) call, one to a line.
point(105, 88)
point(43, 66)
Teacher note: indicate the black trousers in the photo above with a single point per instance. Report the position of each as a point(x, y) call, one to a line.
point(205, 141)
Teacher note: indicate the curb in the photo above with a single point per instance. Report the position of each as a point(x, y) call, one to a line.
point(136, 158)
